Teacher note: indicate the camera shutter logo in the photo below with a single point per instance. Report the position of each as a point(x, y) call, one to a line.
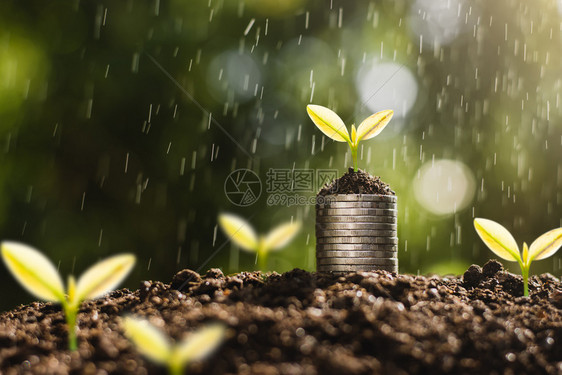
point(242, 187)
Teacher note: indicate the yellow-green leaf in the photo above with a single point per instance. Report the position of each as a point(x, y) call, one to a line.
point(546, 245)
point(373, 125)
point(281, 236)
point(498, 239)
point(34, 271)
point(239, 231)
point(525, 257)
point(104, 276)
point(353, 134)
point(328, 122)
point(148, 340)
point(199, 344)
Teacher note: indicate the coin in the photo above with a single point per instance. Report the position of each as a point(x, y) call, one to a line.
point(351, 254)
point(356, 226)
point(358, 240)
point(356, 198)
point(355, 219)
point(356, 212)
point(355, 233)
point(355, 261)
point(345, 204)
point(356, 268)
point(355, 247)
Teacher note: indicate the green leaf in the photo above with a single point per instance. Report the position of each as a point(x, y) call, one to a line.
point(281, 236)
point(498, 239)
point(104, 276)
point(373, 125)
point(199, 344)
point(148, 340)
point(33, 271)
point(546, 245)
point(239, 231)
point(328, 122)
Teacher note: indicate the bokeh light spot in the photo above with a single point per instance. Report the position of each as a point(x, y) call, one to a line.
point(444, 187)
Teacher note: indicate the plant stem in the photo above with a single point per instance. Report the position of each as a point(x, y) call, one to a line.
point(354, 157)
point(262, 260)
point(525, 274)
point(175, 369)
point(71, 311)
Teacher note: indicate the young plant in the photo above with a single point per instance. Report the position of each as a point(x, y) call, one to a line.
point(243, 235)
point(156, 346)
point(502, 243)
point(40, 277)
point(332, 125)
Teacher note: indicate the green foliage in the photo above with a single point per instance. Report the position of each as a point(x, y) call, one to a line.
point(40, 277)
point(333, 126)
point(153, 344)
point(243, 235)
point(502, 243)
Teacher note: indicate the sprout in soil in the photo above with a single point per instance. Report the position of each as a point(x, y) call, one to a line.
point(155, 345)
point(501, 242)
point(332, 125)
point(40, 277)
point(243, 235)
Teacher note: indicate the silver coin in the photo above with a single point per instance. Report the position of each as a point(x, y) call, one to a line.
point(355, 247)
point(358, 240)
point(384, 205)
point(356, 198)
point(356, 212)
point(355, 233)
point(356, 261)
point(358, 254)
point(356, 226)
point(355, 268)
point(356, 219)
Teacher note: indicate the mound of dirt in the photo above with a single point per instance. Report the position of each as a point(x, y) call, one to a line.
point(359, 182)
point(308, 323)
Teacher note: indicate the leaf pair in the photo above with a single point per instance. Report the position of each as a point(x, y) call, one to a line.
point(243, 235)
point(502, 243)
point(155, 345)
point(333, 126)
point(40, 277)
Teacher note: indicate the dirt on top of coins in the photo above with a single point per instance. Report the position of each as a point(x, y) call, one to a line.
point(359, 182)
point(309, 323)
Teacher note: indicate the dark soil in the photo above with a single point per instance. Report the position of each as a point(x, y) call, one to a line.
point(359, 182)
point(308, 323)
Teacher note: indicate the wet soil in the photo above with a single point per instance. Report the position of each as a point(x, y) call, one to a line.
point(359, 182)
point(308, 323)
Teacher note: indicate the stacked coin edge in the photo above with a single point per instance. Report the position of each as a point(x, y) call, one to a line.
point(356, 232)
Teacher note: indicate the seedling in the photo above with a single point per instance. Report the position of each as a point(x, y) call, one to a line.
point(333, 126)
point(243, 235)
point(40, 277)
point(156, 346)
point(502, 243)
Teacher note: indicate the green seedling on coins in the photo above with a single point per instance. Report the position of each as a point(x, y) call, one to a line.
point(243, 235)
point(333, 126)
point(502, 243)
point(40, 277)
point(156, 346)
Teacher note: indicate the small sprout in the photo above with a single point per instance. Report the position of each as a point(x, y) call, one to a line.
point(332, 125)
point(156, 346)
point(243, 235)
point(40, 277)
point(502, 243)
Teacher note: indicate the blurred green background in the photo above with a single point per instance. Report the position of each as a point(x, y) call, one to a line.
point(107, 143)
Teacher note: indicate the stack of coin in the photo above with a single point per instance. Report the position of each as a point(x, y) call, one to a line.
point(356, 232)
